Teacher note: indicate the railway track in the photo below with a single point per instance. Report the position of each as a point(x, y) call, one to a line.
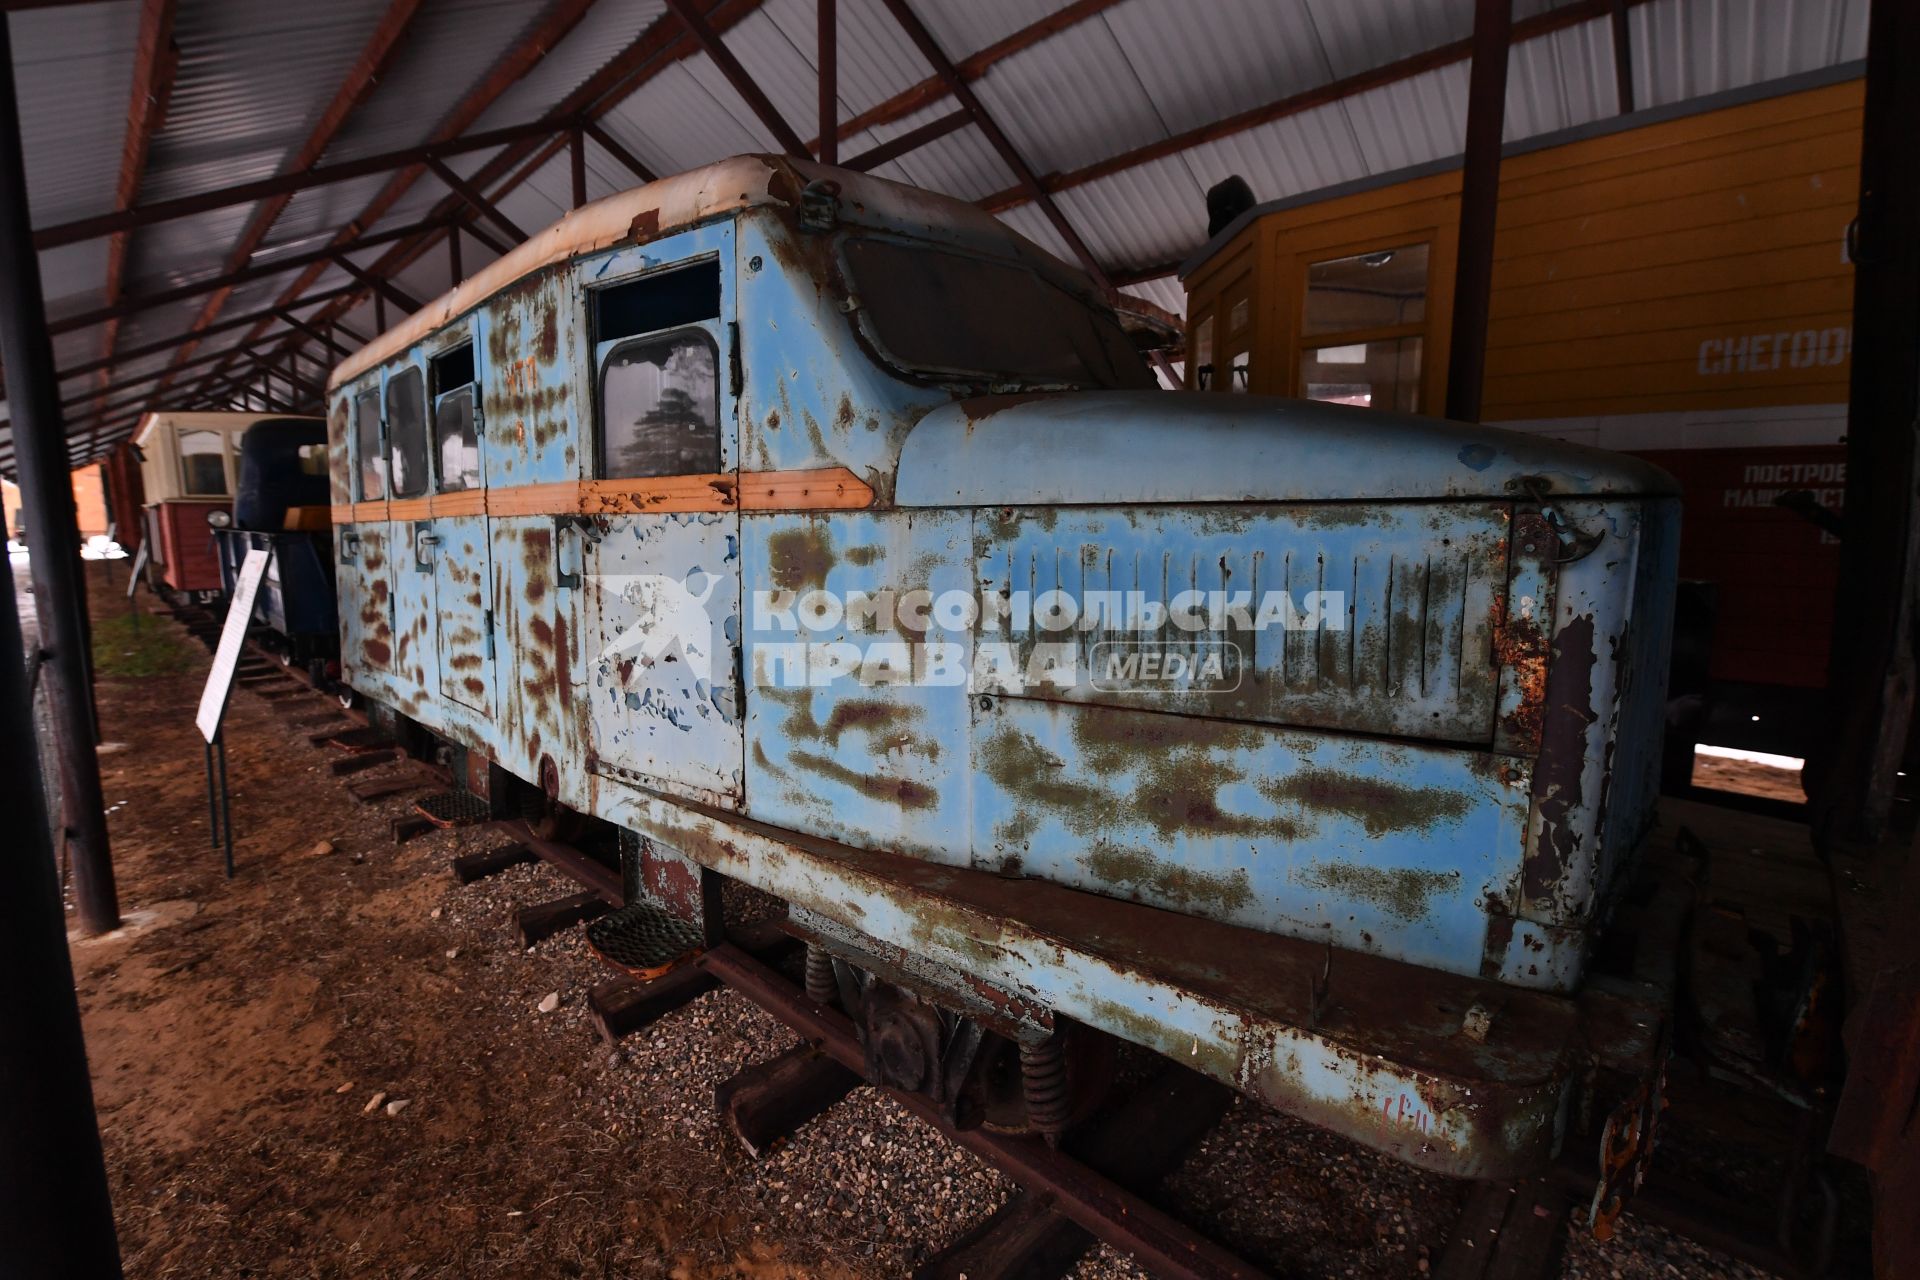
point(1092, 1185)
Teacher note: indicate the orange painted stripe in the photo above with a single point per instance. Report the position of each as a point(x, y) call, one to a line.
point(822, 489)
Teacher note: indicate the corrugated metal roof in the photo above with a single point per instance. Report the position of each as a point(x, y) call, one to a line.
point(253, 80)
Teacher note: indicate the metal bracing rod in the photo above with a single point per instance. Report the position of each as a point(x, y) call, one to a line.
point(382, 287)
point(287, 184)
point(913, 140)
point(659, 45)
point(943, 67)
point(1547, 22)
point(917, 97)
point(323, 338)
point(219, 326)
point(1479, 203)
point(613, 148)
point(227, 280)
point(475, 197)
point(743, 84)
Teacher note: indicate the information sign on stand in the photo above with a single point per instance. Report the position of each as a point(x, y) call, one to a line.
point(213, 698)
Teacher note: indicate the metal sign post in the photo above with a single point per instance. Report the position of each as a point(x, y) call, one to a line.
point(213, 698)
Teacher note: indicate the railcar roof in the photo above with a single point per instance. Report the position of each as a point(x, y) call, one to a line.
point(684, 200)
point(232, 423)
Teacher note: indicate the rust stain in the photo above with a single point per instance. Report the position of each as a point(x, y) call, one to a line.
point(904, 792)
point(1403, 892)
point(1378, 805)
point(870, 715)
point(800, 558)
point(1558, 781)
point(1170, 882)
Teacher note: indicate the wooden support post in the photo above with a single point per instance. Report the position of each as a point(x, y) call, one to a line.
point(1479, 205)
point(829, 50)
point(771, 1100)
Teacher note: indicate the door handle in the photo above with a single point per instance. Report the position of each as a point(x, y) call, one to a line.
point(349, 547)
point(564, 578)
point(423, 545)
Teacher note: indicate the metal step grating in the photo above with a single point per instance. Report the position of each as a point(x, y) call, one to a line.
point(644, 940)
point(452, 808)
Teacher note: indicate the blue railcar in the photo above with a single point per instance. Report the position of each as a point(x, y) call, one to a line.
point(282, 473)
point(824, 534)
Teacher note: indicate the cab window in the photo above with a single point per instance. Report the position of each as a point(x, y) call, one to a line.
point(407, 434)
point(456, 439)
point(656, 344)
point(203, 464)
point(372, 470)
point(1363, 328)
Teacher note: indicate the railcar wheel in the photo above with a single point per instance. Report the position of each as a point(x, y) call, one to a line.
point(548, 819)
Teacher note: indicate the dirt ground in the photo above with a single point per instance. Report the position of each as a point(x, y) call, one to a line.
point(335, 1064)
point(1748, 777)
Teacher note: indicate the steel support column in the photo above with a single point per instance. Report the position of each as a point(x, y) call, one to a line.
point(55, 1213)
point(1479, 202)
point(1872, 670)
point(828, 60)
point(46, 494)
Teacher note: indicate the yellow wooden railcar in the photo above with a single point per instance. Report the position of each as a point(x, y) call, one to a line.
point(1674, 283)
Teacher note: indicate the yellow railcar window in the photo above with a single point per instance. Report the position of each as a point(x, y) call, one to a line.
point(1376, 375)
point(1367, 291)
point(1363, 328)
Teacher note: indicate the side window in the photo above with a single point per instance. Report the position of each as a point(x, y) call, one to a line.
point(203, 464)
point(456, 442)
point(407, 433)
point(658, 354)
point(1364, 327)
point(366, 445)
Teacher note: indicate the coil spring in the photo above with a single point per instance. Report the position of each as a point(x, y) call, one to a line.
point(1043, 1077)
point(821, 986)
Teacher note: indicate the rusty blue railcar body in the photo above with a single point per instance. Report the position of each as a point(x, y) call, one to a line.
point(776, 561)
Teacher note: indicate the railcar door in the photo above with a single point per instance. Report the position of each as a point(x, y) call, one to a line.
point(663, 595)
point(457, 544)
point(366, 594)
point(408, 485)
